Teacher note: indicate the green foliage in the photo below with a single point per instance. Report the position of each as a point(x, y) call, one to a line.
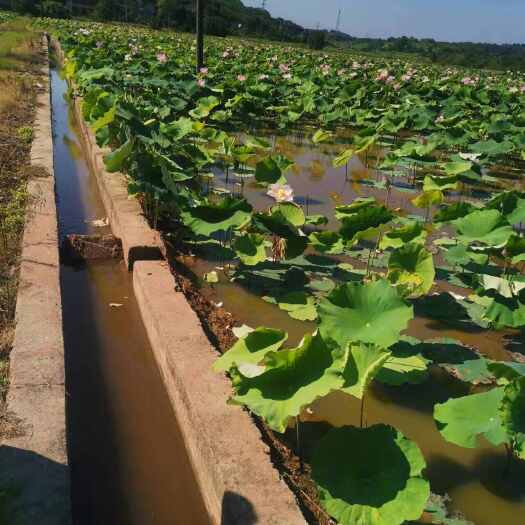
point(370, 313)
point(292, 379)
point(251, 349)
point(370, 476)
point(461, 421)
point(512, 413)
point(411, 270)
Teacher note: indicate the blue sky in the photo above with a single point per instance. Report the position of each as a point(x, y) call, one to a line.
point(450, 20)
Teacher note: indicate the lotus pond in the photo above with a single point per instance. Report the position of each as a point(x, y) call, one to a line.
point(362, 221)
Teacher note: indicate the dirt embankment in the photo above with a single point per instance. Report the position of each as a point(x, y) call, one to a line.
point(20, 80)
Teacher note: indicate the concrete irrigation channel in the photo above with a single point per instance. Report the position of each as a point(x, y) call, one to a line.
point(150, 438)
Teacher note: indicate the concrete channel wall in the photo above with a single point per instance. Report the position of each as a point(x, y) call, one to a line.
point(231, 463)
point(33, 464)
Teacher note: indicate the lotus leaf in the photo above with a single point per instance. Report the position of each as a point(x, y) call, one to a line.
point(487, 227)
point(370, 476)
point(412, 232)
point(251, 348)
point(292, 380)
point(209, 218)
point(370, 313)
point(462, 420)
point(512, 413)
point(411, 269)
point(250, 248)
point(363, 363)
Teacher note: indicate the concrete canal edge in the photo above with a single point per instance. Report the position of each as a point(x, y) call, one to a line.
point(231, 463)
point(33, 464)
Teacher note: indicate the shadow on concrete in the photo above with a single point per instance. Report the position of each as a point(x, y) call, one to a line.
point(237, 510)
point(33, 489)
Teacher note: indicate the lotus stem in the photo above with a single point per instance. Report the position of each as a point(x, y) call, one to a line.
point(298, 442)
point(362, 418)
point(508, 463)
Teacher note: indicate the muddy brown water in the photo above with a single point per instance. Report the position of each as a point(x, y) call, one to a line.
point(128, 461)
point(472, 478)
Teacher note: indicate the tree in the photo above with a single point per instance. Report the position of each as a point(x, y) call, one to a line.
point(105, 10)
point(316, 39)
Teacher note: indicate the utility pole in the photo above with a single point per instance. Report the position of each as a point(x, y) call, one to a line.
point(200, 34)
point(338, 25)
point(263, 4)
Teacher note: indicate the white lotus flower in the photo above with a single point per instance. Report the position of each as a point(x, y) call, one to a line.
point(281, 192)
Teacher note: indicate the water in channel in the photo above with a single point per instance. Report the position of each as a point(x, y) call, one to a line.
point(128, 461)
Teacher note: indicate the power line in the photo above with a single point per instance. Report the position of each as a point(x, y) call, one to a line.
point(338, 24)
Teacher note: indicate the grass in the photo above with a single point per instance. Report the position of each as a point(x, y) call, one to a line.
point(19, 73)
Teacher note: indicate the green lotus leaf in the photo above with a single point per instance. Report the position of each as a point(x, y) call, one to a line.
point(268, 171)
point(321, 136)
point(299, 305)
point(452, 212)
point(370, 313)
point(431, 183)
point(507, 371)
point(492, 148)
point(363, 363)
point(457, 167)
point(209, 218)
point(204, 107)
point(370, 476)
point(512, 413)
point(316, 220)
point(363, 224)
point(428, 198)
point(515, 249)
point(403, 369)
point(327, 242)
point(115, 160)
point(292, 380)
point(412, 232)
point(105, 120)
point(291, 212)
point(250, 248)
point(487, 227)
point(252, 348)
point(511, 204)
point(343, 158)
point(357, 205)
point(502, 286)
point(411, 268)
point(462, 420)
point(502, 311)
point(461, 255)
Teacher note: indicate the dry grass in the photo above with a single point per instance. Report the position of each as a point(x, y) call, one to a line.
point(19, 74)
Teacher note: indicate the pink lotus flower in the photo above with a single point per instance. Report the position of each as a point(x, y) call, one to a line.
point(406, 78)
point(263, 77)
point(341, 72)
point(383, 75)
point(523, 88)
point(284, 68)
point(241, 78)
point(226, 54)
point(467, 81)
point(281, 192)
point(203, 70)
point(440, 119)
point(99, 44)
point(162, 58)
point(201, 82)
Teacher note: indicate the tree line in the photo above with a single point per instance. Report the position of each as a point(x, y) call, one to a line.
point(232, 17)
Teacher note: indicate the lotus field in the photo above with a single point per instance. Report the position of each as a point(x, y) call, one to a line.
point(373, 207)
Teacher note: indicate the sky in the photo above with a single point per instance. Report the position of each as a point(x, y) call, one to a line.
point(449, 20)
